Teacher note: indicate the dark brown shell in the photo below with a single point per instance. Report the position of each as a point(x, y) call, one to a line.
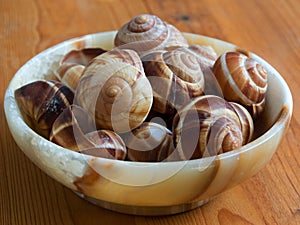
point(41, 102)
point(69, 128)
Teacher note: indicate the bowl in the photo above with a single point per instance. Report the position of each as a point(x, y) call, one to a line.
point(148, 188)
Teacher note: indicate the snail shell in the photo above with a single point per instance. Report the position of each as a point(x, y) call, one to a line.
point(69, 128)
point(150, 142)
point(241, 79)
point(205, 54)
point(206, 57)
point(207, 126)
point(246, 121)
point(75, 130)
point(73, 63)
point(41, 102)
point(105, 144)
point(147, 32)
point(175, 77)
point(115, 91)
point(256, 110)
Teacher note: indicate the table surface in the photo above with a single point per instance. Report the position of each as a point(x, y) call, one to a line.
point(268, 28)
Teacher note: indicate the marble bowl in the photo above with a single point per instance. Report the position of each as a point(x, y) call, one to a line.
point(148, 188)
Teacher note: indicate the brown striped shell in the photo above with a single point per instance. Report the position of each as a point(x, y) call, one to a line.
point(75, 130)
point(69, 128)
point(150, 142)
point(207, 126)
point(206, 57)
point(246, 121)
point(147, 32)
point(41, 102)
point(175, 77)
point(73, 63)
point(242, 80)
point(205, 54)
point(115, 91)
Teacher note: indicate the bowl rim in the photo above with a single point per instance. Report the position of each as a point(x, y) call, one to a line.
point(283, 118)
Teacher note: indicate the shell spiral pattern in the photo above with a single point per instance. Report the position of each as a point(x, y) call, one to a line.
point(207, 126)
point(115, 91)
point(148, 32)
point(241, 79)
point(175, 77)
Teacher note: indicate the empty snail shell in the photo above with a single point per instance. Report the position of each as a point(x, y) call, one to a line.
point(206, 57)
point(115, 91)
point(150, 142)
point(207, 126)
point(69, 128)
point(147, 32)
point(73, 63)
point(74, 130)
point(175, 77)
point(205, 54)
point(241, 79)
point(41, 102)
point(105, 144)
point(246, 121)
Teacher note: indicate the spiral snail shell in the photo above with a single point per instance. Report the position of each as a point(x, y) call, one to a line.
point(41, 102)
point(242, 80)
point(205, 54)
point(73, 63)
point(206, 57)
point(175, 77)
point(207, 126)
point(115, 91)
point(147, 32)
point(150, 142)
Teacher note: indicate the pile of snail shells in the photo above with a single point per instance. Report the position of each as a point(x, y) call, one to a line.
point(152, 98)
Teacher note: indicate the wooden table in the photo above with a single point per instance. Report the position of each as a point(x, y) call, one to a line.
point(269, 28)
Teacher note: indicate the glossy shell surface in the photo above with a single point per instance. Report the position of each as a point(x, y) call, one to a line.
point(148, 188)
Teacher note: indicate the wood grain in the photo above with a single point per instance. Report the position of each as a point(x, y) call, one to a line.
point(269, 28)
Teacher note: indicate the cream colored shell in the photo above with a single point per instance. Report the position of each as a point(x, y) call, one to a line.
point(115, 91)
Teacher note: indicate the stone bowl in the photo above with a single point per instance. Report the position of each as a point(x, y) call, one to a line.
point(148, 188)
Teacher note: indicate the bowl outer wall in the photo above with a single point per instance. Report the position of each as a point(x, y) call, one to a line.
point(146, 184)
